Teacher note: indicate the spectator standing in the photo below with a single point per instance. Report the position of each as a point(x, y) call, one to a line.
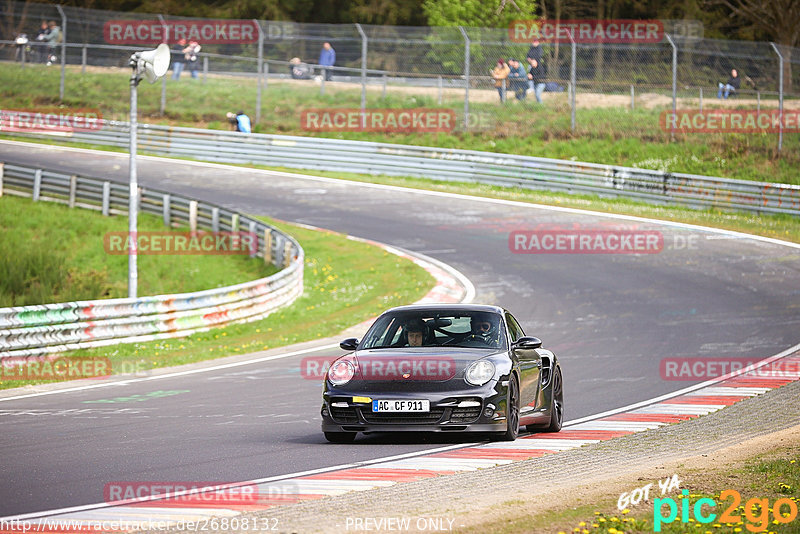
point(534, 53)
point(500, 75)
point(537, 76)
point(178, 58)
point(41, 37)
point(327, 58)
point(517, 79)
point(190, 54)
point(731, 86)
point(54, 38)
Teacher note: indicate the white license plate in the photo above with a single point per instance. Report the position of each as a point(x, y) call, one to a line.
point(401, 406)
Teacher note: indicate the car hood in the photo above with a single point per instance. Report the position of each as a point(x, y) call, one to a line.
point(416, 364)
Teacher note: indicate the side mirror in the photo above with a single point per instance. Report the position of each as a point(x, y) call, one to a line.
point(527, 343)
point(351, 343)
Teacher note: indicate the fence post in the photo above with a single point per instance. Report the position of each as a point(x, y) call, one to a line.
point(674, 84)
point(83, 59)
point(503, 90)
point(260, 69)
point(73, 190)
point(632, 97)
point(165, 30)
point(235, 222)
point(265, 68)
point(166, 212)
point(268, 245)
point(22, 56)
point(253, 234)
point(701, 99)
point(758, 101)
point(63, 51)
point(363, 75)
point(215, 219)
point(466, 76)
point(572, 82)
point(440, 89)
point(322, 81)
point(2, 166)
point(780, 96)
point(205, 68)
point(37, 184)
point(106, 198)
point(384, 86)
point(193, 216)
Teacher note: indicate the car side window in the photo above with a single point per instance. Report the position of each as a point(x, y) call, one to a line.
point(513, 327)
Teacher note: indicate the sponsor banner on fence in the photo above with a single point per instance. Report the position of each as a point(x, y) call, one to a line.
point(388, 368)
point(54, 369)
point(50, 120)
point(153, 32)
point(422, 120)
point(708, 368)
point(586, 31)
point(730, 121)
point(181, 243)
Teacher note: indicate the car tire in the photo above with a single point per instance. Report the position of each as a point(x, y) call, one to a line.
point(512, 412)
point(557, 408)
point(340, 437)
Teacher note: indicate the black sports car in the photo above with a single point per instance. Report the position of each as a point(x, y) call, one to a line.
point(443, 367)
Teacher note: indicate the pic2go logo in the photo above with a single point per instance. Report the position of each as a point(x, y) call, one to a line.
point(756, 511)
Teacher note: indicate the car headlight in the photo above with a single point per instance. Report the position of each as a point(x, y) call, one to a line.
point(479, 372)
point(341, 372)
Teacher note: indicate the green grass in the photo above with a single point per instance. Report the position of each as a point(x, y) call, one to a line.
point(51, 253)
point(346, 282)
point(771, 476)
point(603, 135)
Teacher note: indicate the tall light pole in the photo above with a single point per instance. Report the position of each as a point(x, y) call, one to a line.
point(152, 64)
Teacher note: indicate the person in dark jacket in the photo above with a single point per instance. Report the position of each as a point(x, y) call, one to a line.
point(534, 54)
point(178, 59)
point(731, 86)
point(537, 77)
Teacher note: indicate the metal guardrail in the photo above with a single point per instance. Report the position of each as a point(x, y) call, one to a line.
point(448, 164)
point(50, 328)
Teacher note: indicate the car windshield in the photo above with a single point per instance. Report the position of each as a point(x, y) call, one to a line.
point(432, 328)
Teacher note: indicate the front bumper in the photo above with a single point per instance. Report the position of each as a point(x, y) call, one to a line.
point(473, 411)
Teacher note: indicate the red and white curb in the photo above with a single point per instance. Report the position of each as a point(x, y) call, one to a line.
point(692, 402)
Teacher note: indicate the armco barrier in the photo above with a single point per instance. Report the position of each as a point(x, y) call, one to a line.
point(448, 164)
point(50, 328)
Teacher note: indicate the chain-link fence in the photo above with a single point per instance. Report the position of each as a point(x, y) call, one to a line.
point(581, 89)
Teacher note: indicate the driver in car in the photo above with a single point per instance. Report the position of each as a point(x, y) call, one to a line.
point(415, 332)
point(484, 327)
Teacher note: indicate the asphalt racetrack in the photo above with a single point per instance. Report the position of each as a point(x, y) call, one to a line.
point(611, 318)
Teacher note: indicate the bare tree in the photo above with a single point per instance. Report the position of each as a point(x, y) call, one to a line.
point(780, 19)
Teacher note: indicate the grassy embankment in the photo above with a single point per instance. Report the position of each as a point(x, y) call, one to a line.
point(346, 282)
point(604, 135)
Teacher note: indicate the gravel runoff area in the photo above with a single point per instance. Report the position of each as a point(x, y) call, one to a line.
point(556, 481)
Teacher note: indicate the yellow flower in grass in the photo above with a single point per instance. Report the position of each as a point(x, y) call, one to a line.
point(601, 520)
point(582, 524)
point(626, 511)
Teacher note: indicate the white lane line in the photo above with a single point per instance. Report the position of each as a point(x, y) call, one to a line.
point(445, 464)
point(680, 409)
point(630, 426)
point(725, 391)
point(127, 381)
